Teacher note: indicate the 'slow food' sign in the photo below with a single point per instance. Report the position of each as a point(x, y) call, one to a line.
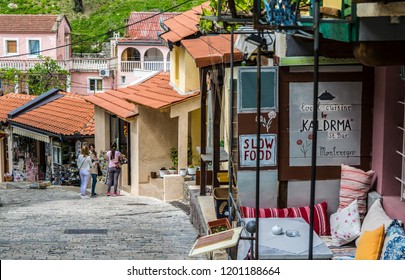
point(248, 150)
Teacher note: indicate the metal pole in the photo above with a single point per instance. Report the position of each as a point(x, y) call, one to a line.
point(230, 171)
point(258, 100)
point(314, 127)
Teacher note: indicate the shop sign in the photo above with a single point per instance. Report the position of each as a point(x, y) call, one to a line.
point(339, 123)
point(248, 150)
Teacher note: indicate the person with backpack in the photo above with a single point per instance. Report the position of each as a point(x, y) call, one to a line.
point(84, 163)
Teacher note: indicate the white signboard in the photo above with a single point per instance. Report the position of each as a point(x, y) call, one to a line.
point(248, 150)
point(339, 123)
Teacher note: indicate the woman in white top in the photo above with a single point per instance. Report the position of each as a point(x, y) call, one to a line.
point(84, 164)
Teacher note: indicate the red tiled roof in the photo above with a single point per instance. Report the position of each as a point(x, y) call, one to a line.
point(210, 50)
point(146, 25)
point(28, 23)
point(155, 92)
point(183, 25)
point(67, 115)
point(12, 101)
point(114, 104)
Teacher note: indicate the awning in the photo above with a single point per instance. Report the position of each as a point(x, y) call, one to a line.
point(31, 134)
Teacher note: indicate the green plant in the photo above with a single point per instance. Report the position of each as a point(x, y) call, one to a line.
point(45, 76)
point(174, 157)
point(196, 161)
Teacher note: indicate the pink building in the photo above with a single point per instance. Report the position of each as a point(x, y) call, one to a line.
point(23, 38)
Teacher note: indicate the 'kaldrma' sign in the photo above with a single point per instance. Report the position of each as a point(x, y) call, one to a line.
point(248, 150)
point(339, 123)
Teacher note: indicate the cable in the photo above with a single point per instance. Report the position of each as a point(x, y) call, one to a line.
point(106, 33)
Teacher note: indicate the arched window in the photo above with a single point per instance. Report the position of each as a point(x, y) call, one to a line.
point(153, 59)
point(130, 60)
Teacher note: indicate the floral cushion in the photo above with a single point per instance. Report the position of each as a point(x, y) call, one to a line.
point(321, 223)
point(394, 243)
point(345, 225)
point(354, 184)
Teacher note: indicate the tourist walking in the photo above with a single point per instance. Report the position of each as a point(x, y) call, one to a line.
point(84, 164)
point(94, 169)
point(114, 168)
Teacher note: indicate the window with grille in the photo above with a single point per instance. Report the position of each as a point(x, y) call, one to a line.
point(95, 85)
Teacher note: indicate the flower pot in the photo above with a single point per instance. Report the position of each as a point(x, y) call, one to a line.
point(191, 170)
point(172, 171)
point(183, 172)
point(218, 225)
point(162, 173)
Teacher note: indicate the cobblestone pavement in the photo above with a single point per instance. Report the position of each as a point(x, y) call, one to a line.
point(55, 223)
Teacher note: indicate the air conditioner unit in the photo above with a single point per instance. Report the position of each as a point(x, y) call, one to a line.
point(104, 73)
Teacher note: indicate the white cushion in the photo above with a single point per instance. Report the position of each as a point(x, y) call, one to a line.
point(375, 217)
point(345, 224)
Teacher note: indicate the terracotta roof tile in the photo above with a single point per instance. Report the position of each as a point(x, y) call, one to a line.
point(146, 25)
point(183, 25)
point(210, 50)
point(113, 103)
point(67, 115)
point(27, 23)
point(12, 101)
point(155, 92)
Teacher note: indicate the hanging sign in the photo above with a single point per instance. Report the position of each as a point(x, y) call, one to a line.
point(248, 150)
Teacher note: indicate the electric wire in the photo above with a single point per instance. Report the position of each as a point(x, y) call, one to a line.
point(105, 33)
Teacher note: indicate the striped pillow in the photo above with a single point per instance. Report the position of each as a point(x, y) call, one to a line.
point(321, 221)
point(354, 184)
point(249, 212)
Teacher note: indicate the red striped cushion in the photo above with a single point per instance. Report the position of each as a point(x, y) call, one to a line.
point(321, 221)
point(354, 184)
point(249, 212)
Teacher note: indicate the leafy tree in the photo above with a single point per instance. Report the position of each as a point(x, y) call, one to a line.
point(45, 76)
point(9, 78)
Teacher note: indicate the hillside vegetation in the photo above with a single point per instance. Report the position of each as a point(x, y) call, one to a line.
point(98, 17)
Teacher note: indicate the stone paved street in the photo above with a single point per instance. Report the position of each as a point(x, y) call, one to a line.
point(55, 223)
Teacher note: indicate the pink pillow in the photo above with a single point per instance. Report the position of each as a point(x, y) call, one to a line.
point(354, 184)
point(321, 221)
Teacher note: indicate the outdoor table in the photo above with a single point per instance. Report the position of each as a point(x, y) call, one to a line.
point(283, 247)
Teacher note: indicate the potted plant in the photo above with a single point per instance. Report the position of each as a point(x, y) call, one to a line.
point(218, 225)
point(172, 170)
point(162, 172)
point(183, 171)
point(192, 168)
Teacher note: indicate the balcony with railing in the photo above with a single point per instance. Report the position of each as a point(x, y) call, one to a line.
point(129, 66)
point(24, 65)
point(89, 64)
